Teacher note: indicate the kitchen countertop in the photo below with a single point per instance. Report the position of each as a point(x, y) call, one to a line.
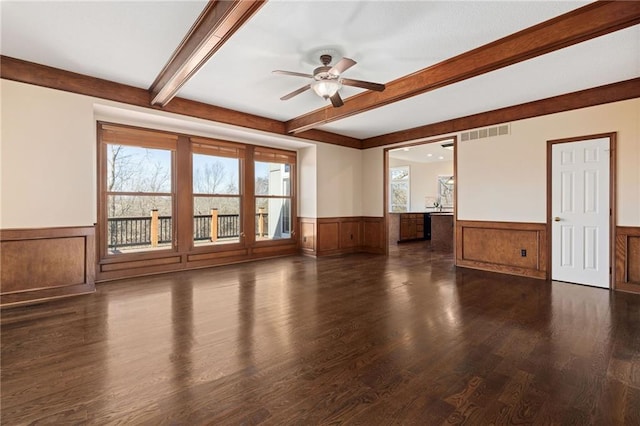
point(423, 212)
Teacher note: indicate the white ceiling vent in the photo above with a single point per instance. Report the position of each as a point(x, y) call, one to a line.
point(487, 132)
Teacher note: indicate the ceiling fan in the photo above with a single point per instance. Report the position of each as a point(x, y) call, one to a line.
point(327, 81)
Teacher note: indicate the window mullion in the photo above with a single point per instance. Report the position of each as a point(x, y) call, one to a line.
point(141, 194)
point(183, 187)
point(248, 198)
point(203, 195)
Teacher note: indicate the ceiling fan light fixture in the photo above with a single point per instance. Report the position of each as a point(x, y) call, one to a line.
point(326, 88)
point(326, 81)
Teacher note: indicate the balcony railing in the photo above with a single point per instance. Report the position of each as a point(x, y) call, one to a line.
point(140, 231)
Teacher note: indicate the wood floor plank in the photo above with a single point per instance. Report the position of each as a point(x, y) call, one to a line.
point(359, 339)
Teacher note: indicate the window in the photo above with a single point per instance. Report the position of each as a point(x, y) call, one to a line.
point(273, 194)
point(399, 189)
point(138, 195)
point(183, 200)
point(446, 189)
point(217, 203)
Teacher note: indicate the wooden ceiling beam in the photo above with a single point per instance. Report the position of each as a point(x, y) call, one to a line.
point(54, 78)
point(216, 24)
point(590, 21)
point(628, 89)
point(327, 137)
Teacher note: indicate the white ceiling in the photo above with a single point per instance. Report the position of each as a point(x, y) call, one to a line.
point(129, 42)
point(607, 59)
point(424, 153)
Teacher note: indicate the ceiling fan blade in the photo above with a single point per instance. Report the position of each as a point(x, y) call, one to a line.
point(363, 84)
point(295, 92)
point(336, 100)
point(293, 73)
point(342, 65)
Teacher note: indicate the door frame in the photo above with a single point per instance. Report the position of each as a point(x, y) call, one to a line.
point(612, 199)
point(385, 180)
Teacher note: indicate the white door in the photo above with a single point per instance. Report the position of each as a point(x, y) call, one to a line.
point(580, 212)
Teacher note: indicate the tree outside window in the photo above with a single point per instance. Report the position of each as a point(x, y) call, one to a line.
point(139, 199)
point(216, 199)
point(399, 189)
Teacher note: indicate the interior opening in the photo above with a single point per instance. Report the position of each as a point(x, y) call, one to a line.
point(421, 199)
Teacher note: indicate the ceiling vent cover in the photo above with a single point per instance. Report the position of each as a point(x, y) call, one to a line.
point(487, 132)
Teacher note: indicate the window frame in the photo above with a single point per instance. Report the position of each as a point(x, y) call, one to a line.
point(183, 253)
point(272, 155)
point(109, 134)
point(214, 147)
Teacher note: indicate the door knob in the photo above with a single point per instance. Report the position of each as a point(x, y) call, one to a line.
point(557, 219)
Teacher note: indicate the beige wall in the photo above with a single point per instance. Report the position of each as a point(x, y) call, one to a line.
point(307, 182)
point(504, 178)
point(330, 181)
point(373, 182)
point(48, 158)
point(339, 181)
point(423, 179)
point(48, 164)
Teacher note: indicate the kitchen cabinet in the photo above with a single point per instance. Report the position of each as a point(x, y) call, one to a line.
point(442, 231)
point(412, 226)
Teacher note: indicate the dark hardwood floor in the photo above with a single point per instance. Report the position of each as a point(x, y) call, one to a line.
point(360, 339)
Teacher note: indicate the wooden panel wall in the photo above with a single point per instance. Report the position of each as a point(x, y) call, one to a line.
point(394, 229)
point(350, 233)
point(627, 258)
point(46, 263)
point(373, 238)
point(497, 247)
point(340, 235)
point(442, 232)
point(328, 236)
point(308, 235)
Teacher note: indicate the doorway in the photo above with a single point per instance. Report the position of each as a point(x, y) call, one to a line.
point(419, 184)
point(581, 209)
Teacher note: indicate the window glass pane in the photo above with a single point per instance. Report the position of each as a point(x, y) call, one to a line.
point(272, 178)
point(215, 175)
point(140, 222)
point(136, 169)
point(399, 189)
point(216, 220)
point(399, 173)
point(399, 197)
point(273, 218)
